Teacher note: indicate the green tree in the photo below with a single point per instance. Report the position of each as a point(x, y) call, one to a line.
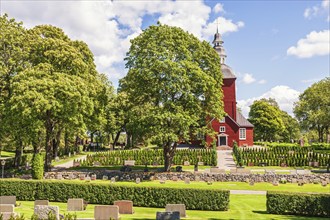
point(267, 120)
point(174, 85)
point(38, 166)
point(292, 129)
point(313, 108)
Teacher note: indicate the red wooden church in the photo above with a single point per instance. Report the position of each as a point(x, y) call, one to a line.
point(234, 126)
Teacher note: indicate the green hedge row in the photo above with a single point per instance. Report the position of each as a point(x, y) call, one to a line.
point(149, 157)
point(194, 199)
point(298, 204)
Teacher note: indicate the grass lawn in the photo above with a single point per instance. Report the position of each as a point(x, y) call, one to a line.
point(292, 187)
point(241, 207)
point(140, 167)
point(7, 154)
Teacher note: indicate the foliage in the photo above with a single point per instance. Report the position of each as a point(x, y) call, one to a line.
point(38, 166)
point(199, 199)
point(149, 157)
point(298, 203)
point(266, 118)
point(281, 156)
point(174, 84)
point(313, 108)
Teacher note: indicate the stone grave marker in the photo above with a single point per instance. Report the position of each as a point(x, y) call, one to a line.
point(129, 163)
point(283, 180)
point(102, 212)
point(197, 178)
point(75, 204)
point(59, 176)
point(247, 180)
point(71, 176)
point(209, 181)
point(181, 208)
point(105, 177)
point(186, 163)
point(168, 216)
point(324, 183)
point(87, 179)
point(41, 211)
point(175, 178)
point(294, 180)
point(112, 180)
point(200, 163)
point(316, 181)
point(93, 177)
point(138, 180)
point(187, 180)
point(41, 202)
point(7, 208)
point(327, 179)
point(300, 182)
point(8, 200)
point(82, 176)
point(162, 180)
point(251, 183)
point(275, 183)
point(125, 206)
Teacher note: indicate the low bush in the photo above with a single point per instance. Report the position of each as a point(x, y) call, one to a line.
point(298, 204)
point(57, 191)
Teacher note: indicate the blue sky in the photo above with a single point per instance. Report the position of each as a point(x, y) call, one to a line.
point(276, 48)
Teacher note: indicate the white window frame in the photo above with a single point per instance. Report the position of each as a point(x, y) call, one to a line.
point(223, 120)
point(222, 129)
point(242, 133)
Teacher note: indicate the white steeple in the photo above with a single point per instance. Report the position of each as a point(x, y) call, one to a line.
point(217, 45)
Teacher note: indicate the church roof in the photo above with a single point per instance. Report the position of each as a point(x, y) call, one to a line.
point(242, 121)
point(227, 72)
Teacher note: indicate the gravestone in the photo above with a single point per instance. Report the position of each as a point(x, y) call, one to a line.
point(125, 206)
point(88, 179)
point(8, 200)
point(93, 177)
point(187, 180)
point(300, 182)
point(162, 180)
point(71, 176)
point(283, 180)
point(168, 216)
point(42, 211)
point(102, 212)
point(59, 176)
point(327, 179)
point(82, 176)
point(251, 183)
point(181, 208)
point(294, 180)
point(200, 163)
point(138, 180)
point(75, 204)
point(186, 163)
point(105, 177)
point(7, 208)
point(175, 178)
point(324, 183)
point(112, 180)
point(275, 183)
point(129, 163)
point(209, 181)
point(197, 178)
point(316, 181)
point(41, 202)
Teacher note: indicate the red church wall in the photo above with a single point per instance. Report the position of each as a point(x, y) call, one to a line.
point(249, 138)
point(229, 97)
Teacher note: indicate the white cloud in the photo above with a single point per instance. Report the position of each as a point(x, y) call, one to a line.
point(248, 78)
point(315, 44)
point(108, 26)
point(284, 96)
point(262, 81)
point(318, 10)
point(218, 8)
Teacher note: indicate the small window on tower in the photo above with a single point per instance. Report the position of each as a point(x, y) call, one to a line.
point(222, 129)
point(222, 120)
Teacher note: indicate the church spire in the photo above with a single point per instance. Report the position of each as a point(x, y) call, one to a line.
point(217, 45)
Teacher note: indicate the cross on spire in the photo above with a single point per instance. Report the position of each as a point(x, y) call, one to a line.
point(217, 25)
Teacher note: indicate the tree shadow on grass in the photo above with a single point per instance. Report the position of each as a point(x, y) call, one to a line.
point(289, 217)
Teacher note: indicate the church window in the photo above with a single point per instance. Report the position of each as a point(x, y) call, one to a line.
point(222, 120)
point(222, 129)
point(242, 133)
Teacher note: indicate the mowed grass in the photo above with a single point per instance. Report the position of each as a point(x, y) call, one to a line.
point(292, 187)
point(241, 207)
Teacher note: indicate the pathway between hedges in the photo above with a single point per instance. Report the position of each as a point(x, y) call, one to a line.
point(225, 160)
point(68, 164)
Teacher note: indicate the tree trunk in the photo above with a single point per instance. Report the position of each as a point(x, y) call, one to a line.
point(18, 154)
point(48, 143)
point(169, 152)
point(128, 140)
point(116, 139)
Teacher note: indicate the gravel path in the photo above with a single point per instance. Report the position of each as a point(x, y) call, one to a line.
point(225, 159)
point(68, 164)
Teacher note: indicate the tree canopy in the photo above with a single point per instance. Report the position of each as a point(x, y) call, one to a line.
point(313, 108)
point(174, 84)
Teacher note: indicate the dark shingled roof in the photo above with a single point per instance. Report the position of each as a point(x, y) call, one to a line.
point(227, 72)
point(242, 121)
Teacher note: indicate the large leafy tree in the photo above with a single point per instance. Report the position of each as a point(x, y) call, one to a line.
point(174, 85)
point(267, 119)
point(313, 108)
point(292, 129)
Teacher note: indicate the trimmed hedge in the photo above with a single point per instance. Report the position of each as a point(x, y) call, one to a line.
point(57, 191)
point(298, 204)
point(142, 157)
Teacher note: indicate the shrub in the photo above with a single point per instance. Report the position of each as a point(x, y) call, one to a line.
point(196, 199)
point(38, 166)
point(298, 204)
